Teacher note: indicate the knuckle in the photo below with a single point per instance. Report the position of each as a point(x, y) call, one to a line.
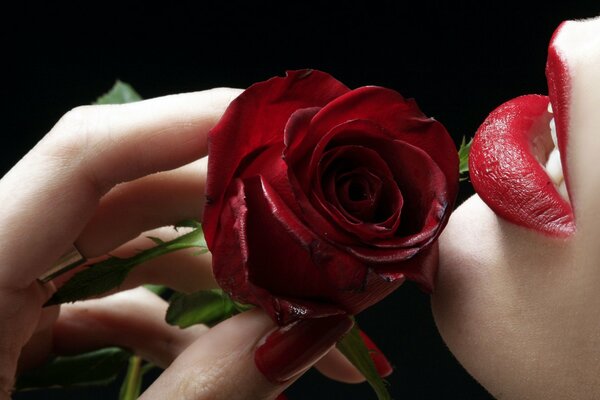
point(206, 383)
point(71, 141)
point(72, 133)
point(75, 120)
point(224, 95)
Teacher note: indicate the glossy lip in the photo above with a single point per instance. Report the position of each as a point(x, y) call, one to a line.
point(507, 149)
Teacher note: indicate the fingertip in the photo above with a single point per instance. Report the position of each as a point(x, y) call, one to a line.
point(290, 350)
point(337, 367)
point(220, 364)
point(383, 366)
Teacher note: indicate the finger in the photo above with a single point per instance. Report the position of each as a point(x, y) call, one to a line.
point(134, 319)
point(153, 201)
point(221, 363)
point(38, 347)
point(578, 43)
point(337, 367)
point(90, 150)
point(21, 311)
point(183, 270)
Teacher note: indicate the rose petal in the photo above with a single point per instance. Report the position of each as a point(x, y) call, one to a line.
point(424, 189)
point(295, 133)
point(384, 252)
point(367, 231)
point(301, 264)
point(350, 286)
point(302, 172)
point(230, 266)
point(230, 252)
point(271, 167)
point(376, 288)
point(420, 269)
point(421, 182)
point(401, 117)
point(254, 119)
point(356, 193)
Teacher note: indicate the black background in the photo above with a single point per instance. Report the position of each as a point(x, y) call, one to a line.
point(459, 60)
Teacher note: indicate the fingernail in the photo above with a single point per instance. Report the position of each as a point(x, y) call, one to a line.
point(383, 366)
point(292, 349)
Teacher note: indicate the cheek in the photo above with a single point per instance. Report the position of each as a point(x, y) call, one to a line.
point(514, 309)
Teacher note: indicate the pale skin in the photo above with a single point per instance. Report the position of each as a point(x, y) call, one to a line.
point(99, 178)
point(519, 309)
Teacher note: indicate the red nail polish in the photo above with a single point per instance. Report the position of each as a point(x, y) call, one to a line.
point(383, 366)
point(291, 349)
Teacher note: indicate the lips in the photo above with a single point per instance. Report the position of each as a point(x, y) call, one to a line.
point(512, 146)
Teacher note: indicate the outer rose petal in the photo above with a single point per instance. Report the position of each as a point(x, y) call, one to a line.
point(295, 134)
point(421, 182)
point(254, 119)
point(265, 251)
point(375, 289)
point(230, 266)
point(420, 269)
point(280, 244)
point(329, 280)
point(410, 256)
point(285, 257)
point(230, 252)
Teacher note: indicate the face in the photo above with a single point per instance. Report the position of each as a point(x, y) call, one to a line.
point(519, 307)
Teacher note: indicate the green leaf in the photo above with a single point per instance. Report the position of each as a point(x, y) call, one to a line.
point(355, 350)
point(204, 307)
point(156, 289)
point(104, 365)
point(120, 93)
point(156, 240)
point(110, 273)
point(98, 367)
point(240, 307)
point(463, 156)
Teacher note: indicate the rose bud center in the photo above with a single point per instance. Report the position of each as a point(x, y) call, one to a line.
point(357, 183)
point(358, 192)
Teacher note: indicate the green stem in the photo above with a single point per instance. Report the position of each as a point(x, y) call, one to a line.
point(355, 350)
point(110, 273)
point(132, 385)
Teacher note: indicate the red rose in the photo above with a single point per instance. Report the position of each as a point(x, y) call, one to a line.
point(322, 200)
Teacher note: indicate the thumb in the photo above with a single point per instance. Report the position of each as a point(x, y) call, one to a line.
point(247, 357)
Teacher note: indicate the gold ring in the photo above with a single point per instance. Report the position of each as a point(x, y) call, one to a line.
point(71, 259)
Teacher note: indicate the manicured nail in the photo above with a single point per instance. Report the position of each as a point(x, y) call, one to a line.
point(292, 349)
point(383, 366)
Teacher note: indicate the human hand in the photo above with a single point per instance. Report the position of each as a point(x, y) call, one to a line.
point(518, 308)
point(93, 181)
